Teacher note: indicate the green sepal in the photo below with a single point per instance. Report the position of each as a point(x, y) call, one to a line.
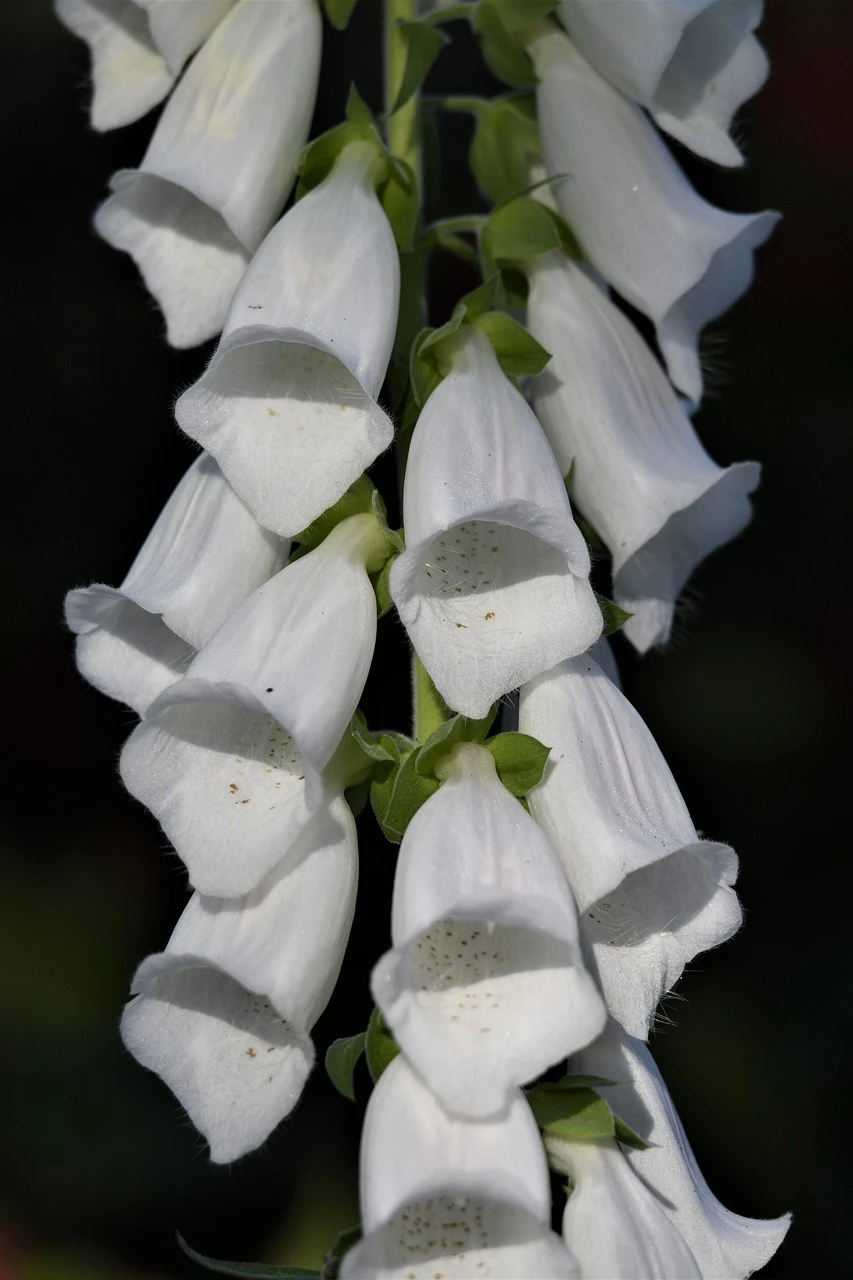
point(394, 536)
point(341, 1060)
point(246, 1269)
point(571, 1110)
point(515, 14)
point(400, 201)
point(344, 1241)
point(356, 501)
point(448, 735)
point(505, 144)
point(380, 1047)
point(427, 363)
point(518, 352)
point(423, 45)
point(501, 51)
point(382, 588)
point(613, 616)
point(520, 228)
point(519, 760)
point(370, 743)
point(339, 12)
point(397, 798)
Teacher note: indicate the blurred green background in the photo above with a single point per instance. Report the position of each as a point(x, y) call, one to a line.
point(99, 1165)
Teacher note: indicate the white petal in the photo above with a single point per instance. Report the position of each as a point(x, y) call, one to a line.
point(122, 650)
point(229, 760)
point(493, 586)
point(485, 987)
point(224, 1014)
point(129, 76)
point(640, 474)
point(178, 28)
point(692, 63)
point(678, 259)
point(651, 894)
point(220, 164)
point(725, 1245)
point(444, 1196)
point(612, 1223)
point(289, 402)
point(205, 555)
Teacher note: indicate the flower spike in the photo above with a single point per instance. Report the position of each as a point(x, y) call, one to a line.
point(220, 163)
point(288, 403)
point(485, 987)
point(493, 586)
point(639, 473)
point(650, 893)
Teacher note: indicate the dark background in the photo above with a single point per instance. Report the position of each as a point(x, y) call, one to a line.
point(99, 1165)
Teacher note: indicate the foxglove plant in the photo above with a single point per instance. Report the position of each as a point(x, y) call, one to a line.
point(551, 885)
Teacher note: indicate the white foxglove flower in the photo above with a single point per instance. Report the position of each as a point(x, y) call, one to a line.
point(485, 987)
point(678, 259)
point(203, 557)
point(178, 27)
point(288, 403)
point(442, 1196)
point(220, 163)
point(726, 1245)
point(493, 586)
point(230, 759)
point(224, 1014)
point(612, 1223)
point(640, 474)
point(129, 74)
point(650, 893)
point(692, 63)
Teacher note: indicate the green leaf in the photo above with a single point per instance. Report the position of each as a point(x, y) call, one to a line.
point(357, 500)
point(423, 44)
point(401, 202)
point(341, 1059)
point(380, 1046)
point(504, 55)
point(339, 12)
point(343, 1243)
point(519, 760)
point(271, 1272)
point(397, 798)
point(505, 144)
point(518, 352)
point(450, 732)
point(521, 13)
point(575, 1114)
point(613, 616)
point(518, 229)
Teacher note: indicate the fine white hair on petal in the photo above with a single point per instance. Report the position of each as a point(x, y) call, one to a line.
point(224, 1013)
point(232, 756)
point(691, 64)
point(639, 472)
point(726, 1245)
point(288, 404)
point(485, 987)
point(220, 164)
point(651, 894)
point(129, 75)
point(440, 1195)
point(493, 586)
point(678, 259)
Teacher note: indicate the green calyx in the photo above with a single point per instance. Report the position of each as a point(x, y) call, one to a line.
point(572, 1110)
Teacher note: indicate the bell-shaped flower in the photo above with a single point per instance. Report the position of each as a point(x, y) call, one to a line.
point(178, 28)
point(288, 403)
point(493, 586)
point(203, 557)
point(224, 1014)
point(691, 64)
point(220, 163)
point(726, 1245)
point(612, 1223)
point(485, 987)
point(650, 893)
point(639, 472)
point(230, 759)
point(448, 1197)
point(673, 256)
point(129, 74)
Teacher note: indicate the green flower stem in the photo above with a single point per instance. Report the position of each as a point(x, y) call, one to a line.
point(404, 141)
point(429, 707)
